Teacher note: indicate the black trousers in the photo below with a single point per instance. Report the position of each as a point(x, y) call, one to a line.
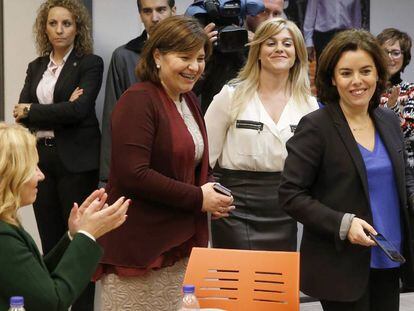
point(382, 294)
point(321, 39)
point(55, 198)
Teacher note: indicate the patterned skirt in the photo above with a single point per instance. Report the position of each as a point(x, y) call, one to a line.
point(157, 290)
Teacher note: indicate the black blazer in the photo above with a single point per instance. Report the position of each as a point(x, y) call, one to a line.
point(74, 123)
point(324, 177)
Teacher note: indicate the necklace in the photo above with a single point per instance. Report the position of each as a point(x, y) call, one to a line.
point(361, 128)
point(355, 127)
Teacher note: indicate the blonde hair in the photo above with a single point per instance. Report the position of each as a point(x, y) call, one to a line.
point(247, 81)
point(18, 162)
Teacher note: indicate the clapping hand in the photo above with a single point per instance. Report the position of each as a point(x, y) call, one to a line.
point(95, 216)
point(392, 99)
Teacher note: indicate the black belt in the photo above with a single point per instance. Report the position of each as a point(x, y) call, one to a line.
point(46, 141)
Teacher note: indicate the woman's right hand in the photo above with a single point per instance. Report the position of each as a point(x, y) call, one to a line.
point(219, 205)
point(357, 235)
point(76, 94)
point(393, 98)
point(96, 217)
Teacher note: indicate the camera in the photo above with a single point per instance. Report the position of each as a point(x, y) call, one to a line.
point(228, 15)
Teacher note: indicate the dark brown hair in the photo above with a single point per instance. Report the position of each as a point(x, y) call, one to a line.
point(173, 34)
point(83, 40)
point(171, 4)
point(349, 40)
point(393, 35)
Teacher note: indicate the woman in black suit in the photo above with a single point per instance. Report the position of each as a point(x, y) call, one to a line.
point(345, 176)
point(58, 103)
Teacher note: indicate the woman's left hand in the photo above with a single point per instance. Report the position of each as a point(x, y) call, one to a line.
point(395, 93)
point(20, 111)
point(77, 212)
point(76, 94)
point(357, 235)
point(219, 205)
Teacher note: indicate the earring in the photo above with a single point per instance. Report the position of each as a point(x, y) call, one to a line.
point(158, 66)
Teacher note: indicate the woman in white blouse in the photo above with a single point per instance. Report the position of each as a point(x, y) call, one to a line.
point(248, 124)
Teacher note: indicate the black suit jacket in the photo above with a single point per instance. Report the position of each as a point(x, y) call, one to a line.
point(74, 123)
point(324, 177)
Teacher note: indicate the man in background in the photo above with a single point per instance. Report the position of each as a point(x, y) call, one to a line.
point(273, 8)
point(121, 72)
point(325, 18)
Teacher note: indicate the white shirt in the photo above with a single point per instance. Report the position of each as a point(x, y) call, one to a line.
point(327, 15)
point(46, 86)
point(243, 145)
point(83, 232)
point(193, 128)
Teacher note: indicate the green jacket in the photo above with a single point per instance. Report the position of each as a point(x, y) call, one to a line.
point(51, 283)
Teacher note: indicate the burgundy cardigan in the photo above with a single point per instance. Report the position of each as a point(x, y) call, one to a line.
point(153, 164)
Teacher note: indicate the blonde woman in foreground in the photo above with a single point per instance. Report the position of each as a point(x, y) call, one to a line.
point(56, 281)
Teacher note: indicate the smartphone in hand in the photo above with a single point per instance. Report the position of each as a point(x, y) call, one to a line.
point(387, 247)
point(221, 189)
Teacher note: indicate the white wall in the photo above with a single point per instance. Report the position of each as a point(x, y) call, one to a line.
point(19, 47)
point(19, 50)
point(397, 14)
point(115, 22)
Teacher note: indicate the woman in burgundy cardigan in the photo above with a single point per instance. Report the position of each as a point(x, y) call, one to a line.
point(160, 161)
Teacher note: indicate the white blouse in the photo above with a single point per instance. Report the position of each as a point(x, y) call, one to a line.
point(193, 128)
point(46, 87)
point(254, 142)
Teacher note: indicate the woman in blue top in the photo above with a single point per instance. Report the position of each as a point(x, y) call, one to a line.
point(346, 176)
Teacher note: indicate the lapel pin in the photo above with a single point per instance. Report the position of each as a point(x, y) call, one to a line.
point(75, 64)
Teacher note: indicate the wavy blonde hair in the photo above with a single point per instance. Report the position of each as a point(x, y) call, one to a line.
point(83, 41)
point(18, 162)
point(247, 81)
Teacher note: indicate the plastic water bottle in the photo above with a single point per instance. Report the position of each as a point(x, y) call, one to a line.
point(189, 302)
point(16, 303)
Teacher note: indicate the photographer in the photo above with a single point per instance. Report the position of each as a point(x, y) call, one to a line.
point(273, 8)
